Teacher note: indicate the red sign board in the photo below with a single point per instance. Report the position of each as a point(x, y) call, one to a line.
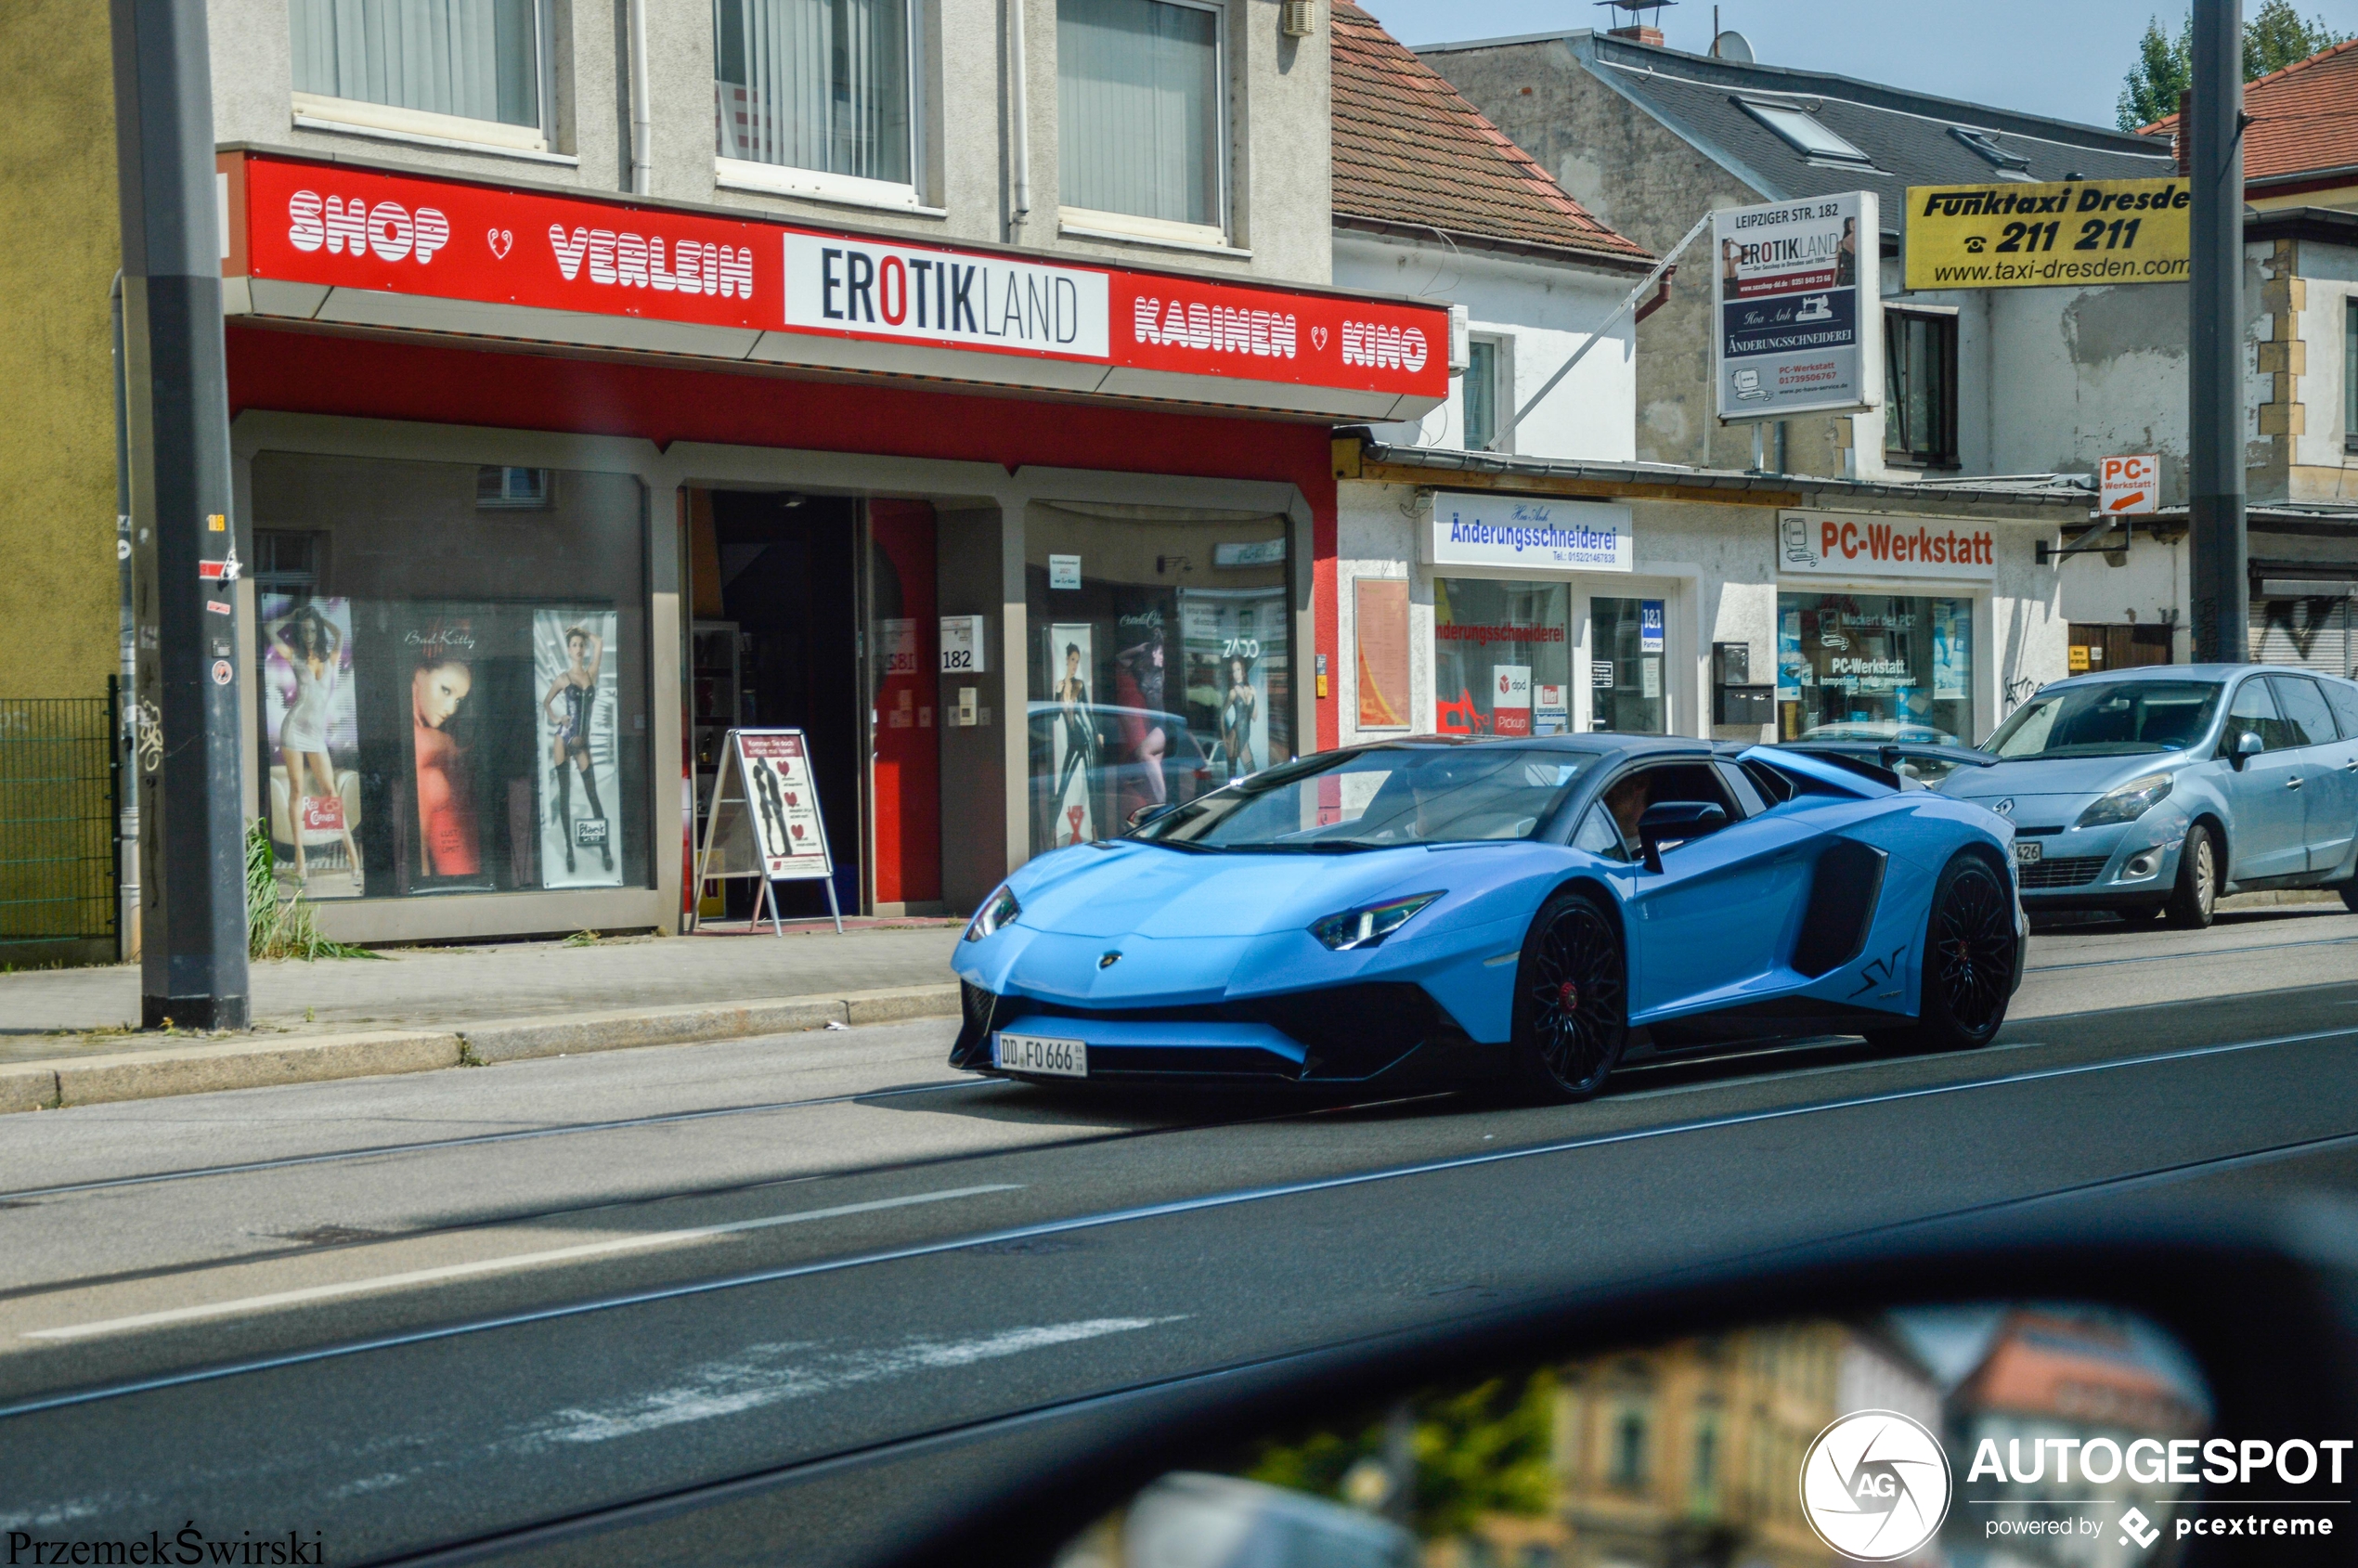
point(363, 230)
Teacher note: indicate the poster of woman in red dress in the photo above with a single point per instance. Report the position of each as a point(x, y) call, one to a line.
point(449, 840)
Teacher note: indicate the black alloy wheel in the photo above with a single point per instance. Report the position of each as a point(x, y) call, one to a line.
point(1969, 956)
point(1572, 1001)
point(1968, 969)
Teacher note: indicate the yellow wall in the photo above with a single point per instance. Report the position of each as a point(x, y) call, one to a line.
point(60, 247)
point(2340, 195)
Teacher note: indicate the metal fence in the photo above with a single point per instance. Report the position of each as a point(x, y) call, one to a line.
point(59, 782)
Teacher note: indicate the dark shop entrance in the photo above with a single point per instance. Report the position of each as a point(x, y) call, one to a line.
point(816, 612)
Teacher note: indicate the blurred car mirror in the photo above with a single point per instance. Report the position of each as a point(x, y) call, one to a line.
point(2248, 746)
point(1967, 1431)
point(1674, 823)
point(2110, 1381)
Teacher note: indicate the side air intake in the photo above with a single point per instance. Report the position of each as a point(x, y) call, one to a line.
point(1842, 906)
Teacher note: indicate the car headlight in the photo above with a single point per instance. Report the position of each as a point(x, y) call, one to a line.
point(998, 912)
point(2127, 803)
point(1369, 926)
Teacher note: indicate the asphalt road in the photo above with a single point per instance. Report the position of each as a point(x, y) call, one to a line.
point(413, 1311)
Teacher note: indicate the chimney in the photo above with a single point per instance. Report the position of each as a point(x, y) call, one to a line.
point(1638, 23)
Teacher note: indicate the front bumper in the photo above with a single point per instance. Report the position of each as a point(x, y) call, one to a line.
point(2117, 866)
point(1356, 1034)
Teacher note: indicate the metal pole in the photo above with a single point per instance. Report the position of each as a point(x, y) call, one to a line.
point(2217, 551)
point(184, 549)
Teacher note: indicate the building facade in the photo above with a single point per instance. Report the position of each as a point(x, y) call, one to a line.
point(2029, 388)
point(948, 383)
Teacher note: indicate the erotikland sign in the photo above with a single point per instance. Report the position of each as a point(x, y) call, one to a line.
point(1528, 531)
point(1794, 283)
point(753, 288)
point(1837, 544)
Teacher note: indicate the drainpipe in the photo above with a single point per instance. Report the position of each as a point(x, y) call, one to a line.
point(126, 827)
point(641, 117)
point(1019, 144)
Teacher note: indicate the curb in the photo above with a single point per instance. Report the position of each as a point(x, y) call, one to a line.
point(207, 1067)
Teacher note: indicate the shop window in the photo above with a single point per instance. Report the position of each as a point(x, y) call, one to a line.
point(1481, 383)
point(1141, 116)
point(1161, 662)
point(468, 69)
point(1920, 388)
point(1874, 667)
point(1501, 657)
point(1627, 649)
point(822, 87)
point(453, 698)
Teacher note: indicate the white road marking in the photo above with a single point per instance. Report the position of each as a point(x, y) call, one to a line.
point(760, 1376)
point(496, 1265)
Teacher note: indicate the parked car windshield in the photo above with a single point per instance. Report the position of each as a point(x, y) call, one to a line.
point(2109, 718)
point(1378, 800)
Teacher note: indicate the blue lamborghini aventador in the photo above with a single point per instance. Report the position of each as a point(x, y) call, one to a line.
point(1521, 912)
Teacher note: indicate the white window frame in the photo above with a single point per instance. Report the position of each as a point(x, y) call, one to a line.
point(1088, 223)
point(1839, 151)
point(850, 191)
point(1502, 390)
point(320, 112)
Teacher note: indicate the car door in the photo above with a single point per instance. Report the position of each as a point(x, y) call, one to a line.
point(2327, 798)
point(2266, 839)
point(1709, 928)
point(2342, 697)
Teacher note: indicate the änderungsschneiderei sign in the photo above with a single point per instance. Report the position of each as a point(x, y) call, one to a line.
point(764, 821)
point(1793, 286)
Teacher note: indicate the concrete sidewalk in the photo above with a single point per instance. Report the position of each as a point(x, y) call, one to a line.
point(66, 1035)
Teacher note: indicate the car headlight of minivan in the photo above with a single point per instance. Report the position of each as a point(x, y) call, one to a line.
point(998, 912)
point(2127, 802)
point(1369, 926)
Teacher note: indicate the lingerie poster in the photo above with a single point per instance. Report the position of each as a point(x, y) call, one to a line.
point(1073, 733)
point(1236, 652)
point(577, 689)
point(444, 657)
point(311, 742)
point(782, 806)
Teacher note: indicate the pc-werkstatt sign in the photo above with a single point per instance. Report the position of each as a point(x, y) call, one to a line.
point(2003, 236)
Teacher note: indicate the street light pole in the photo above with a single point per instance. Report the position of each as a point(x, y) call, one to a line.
point(184, 546)
point(2218, 555)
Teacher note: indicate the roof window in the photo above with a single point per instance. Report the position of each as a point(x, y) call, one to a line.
point(1984, 143)
point(1804, 131)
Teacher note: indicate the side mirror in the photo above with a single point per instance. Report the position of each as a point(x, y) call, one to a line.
point(2248, 746)
point(1145, 814)
point(1675, 823)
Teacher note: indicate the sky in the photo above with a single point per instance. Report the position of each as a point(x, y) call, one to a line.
point(2061, 57)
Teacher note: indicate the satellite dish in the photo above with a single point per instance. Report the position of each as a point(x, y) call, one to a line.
point(1732, 45)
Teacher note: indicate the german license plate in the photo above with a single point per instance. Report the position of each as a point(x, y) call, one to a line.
point(2028, 850)
point(1032, 1052)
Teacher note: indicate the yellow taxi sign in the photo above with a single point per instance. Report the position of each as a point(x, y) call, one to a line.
point(2060, 232)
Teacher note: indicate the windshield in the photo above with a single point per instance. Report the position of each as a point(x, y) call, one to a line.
point(1378, 800)
point(2113, 719)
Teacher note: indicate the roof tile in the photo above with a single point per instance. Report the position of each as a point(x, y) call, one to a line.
point(1409, 150)
point(2303, 117)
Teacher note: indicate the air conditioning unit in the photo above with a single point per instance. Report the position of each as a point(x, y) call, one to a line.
point(1461, 339)
point(1298, 19)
